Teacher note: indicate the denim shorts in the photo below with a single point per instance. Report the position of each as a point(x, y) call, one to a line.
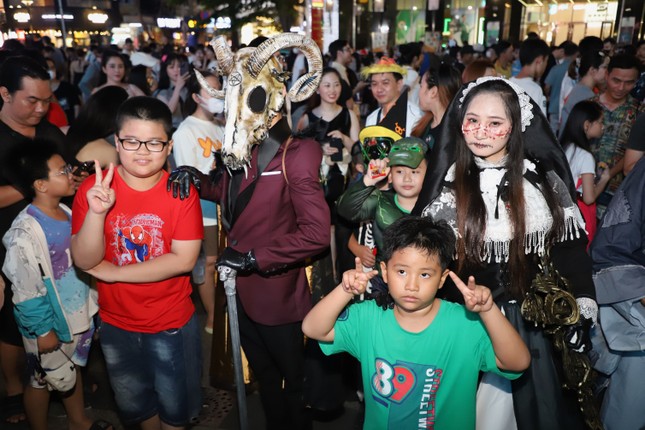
point(155, 373)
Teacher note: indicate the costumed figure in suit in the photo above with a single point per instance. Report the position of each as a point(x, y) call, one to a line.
point(273, 211)
point(501, 180)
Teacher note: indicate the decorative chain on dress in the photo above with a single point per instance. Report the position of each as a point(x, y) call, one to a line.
point(550, 304)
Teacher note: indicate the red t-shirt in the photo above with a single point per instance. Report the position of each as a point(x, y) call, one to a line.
point(56, 115)
point(139, 227)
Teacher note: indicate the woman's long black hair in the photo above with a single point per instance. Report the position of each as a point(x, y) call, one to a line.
point(471, 210)
point(95, 120)
point(574, 129)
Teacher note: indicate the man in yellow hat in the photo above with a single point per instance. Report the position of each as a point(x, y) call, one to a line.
point(395, 111)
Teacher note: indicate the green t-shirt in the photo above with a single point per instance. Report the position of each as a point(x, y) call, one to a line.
point(425, 380)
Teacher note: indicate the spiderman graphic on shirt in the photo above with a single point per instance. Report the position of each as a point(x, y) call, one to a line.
point(138, 241)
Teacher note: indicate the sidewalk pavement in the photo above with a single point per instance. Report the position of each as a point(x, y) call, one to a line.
point(219, 411)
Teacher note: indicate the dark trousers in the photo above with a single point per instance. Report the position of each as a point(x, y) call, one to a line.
point(276, 357)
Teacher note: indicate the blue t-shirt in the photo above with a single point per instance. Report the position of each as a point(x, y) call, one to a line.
point(554, 80)
point(417, 380)
point(72, 285)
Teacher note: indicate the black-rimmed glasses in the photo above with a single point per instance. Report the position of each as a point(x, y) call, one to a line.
point(132, 144)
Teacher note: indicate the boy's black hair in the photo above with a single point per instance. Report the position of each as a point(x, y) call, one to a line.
point(422, 233)
point(26, 162)
point(431, 237)
point(531, 49)
point(147, 109)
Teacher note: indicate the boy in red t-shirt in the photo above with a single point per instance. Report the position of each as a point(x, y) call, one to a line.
point(141, 245)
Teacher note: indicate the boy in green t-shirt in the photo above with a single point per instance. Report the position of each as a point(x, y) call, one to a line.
point(421, 356)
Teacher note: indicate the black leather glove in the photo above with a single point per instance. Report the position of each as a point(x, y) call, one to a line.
point(180, 179)
point(238, 261)
point(216, 173)
point(577, 336)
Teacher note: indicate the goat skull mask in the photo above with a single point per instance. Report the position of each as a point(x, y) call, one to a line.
point(255, 90)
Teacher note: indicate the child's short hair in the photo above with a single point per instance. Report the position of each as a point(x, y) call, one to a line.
point(146, 109)
point(26, 162)
point(432, 237)
point(531, 49)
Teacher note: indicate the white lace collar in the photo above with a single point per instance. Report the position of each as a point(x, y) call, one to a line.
point(498, 225)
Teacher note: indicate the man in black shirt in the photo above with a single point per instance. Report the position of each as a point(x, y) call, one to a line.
point(26, 94)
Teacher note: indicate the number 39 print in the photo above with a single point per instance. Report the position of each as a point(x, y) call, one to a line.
point(392, 382)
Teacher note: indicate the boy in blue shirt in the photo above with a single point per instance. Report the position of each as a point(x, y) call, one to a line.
point(420, 356)
point(54, 305)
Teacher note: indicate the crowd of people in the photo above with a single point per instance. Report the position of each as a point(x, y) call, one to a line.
point(441, 199)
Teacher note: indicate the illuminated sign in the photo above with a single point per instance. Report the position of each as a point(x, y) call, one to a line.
point(57, 16)
point(21, 17)
point(169, 22)
point(97, 18)
point(223, 22)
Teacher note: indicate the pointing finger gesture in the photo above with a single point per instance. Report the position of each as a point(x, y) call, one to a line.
point(477, 298)
point(355, 281)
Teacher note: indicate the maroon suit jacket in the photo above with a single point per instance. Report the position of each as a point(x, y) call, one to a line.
point(284, 224)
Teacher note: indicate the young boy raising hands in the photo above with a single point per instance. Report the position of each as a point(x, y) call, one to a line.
point(421, 356)
point(141, 244)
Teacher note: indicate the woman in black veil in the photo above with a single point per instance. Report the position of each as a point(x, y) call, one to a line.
point(519, 233)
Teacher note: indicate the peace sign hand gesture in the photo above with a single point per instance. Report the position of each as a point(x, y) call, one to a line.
point(477, 298)
point(355, 281)
point(101, 197)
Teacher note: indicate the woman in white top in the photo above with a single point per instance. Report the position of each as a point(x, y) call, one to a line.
point(585, 123)
point(113, 67)
point(196, 141)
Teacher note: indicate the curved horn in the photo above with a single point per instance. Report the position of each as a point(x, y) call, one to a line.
point(224, 55)
point(220, 94)
point(305, 86)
